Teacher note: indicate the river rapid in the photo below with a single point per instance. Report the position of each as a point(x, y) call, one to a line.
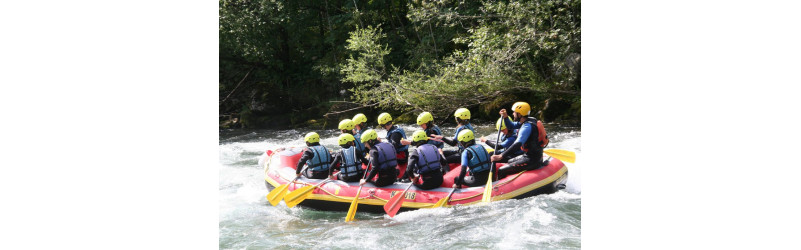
point(248, 221)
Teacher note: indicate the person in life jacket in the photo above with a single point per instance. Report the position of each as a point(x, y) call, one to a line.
point(425, 162)
point(508, 137)
point(350, 160)
point(475, 160)
point(382, 160)
point(462, 116)
point(394, 136)
point(531, 138)
point(358, 127)
point(315, 156)
point(426, 121)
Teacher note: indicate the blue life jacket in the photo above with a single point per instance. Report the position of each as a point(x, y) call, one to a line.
point(434, 130)
point(427, 159)
point(396, 129)
point(459, 129)
point(359, 144)
point(386, 156)
point(321, 160)
point(350, 163)
point(480, 161)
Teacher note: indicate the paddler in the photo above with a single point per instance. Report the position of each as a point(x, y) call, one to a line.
point(358, 127)
point(315, 156)
point(462, 116)
point(475, 159)
point(531, 139)
point(426, 121)
point(382, 159)
point(350, 160)
point(425, 162)
point(508, 137)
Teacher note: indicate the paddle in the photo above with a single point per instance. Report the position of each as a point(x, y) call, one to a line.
point(488, 190)
point(278, 193)
point(561, 154)
point(295, 197)
point(445, 200)
point(355, 202)
point(394, 204)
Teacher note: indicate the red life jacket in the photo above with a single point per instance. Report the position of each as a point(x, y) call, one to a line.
point(542, 138)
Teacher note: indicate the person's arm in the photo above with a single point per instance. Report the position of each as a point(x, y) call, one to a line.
point(449, 141)
point(307, 154)
point(412, 165)
point(490, 143)
point(395, 140)
point(360, 156)
point(374, 162)
point(522, 136)
point(465, 161)
point(337, 159)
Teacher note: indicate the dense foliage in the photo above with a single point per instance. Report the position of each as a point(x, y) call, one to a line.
point(285, 62)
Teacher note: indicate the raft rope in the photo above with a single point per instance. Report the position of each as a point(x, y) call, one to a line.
point(372, 195)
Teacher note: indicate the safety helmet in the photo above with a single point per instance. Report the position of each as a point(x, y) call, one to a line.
point(419, 135)
point(346, 124)
point(345, 138)
point(466, 135)
point(521, 107)
point(359, 118)
point(369, 135)
point(501, 124)
point(312, 137)
point(462, 113)
point(383, 118)
point(424, 117)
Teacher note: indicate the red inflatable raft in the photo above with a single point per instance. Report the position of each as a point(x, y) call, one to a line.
point(336, 195)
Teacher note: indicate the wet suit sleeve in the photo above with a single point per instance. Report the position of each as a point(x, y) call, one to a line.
point(374, 163)
point(394, 139)
point(465, 160)
point(522, 136)
point(449, 141)
point(412, 166)
point(360, 156)
point(307, 154)
point(337, 159)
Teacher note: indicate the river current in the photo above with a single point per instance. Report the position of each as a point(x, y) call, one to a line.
point(248, 221)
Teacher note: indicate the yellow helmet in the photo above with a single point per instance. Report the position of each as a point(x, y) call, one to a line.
point(359, 118)
point(424, 117)
point(345, 138)
point(383, 118)
point(466, 135)
point(312, 137)
point(346, 124)
point(462, 113)
point(500, 125)
point(521, 107)
point(419, 135)
point(369, 135)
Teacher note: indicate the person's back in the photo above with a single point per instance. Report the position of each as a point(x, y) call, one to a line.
point(350, 160)
point(382, 159)
point(475, 160)
point(426, 162)
point(316, 158)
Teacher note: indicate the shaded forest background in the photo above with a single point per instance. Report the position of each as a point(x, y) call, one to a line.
point(299, 63)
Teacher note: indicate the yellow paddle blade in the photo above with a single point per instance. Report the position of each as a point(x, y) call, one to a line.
point(275, 196)
point(441, 202)
point(297, 196)
point(561, 154)
point(353, 205)
point(488, 190)
point(489, 149)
